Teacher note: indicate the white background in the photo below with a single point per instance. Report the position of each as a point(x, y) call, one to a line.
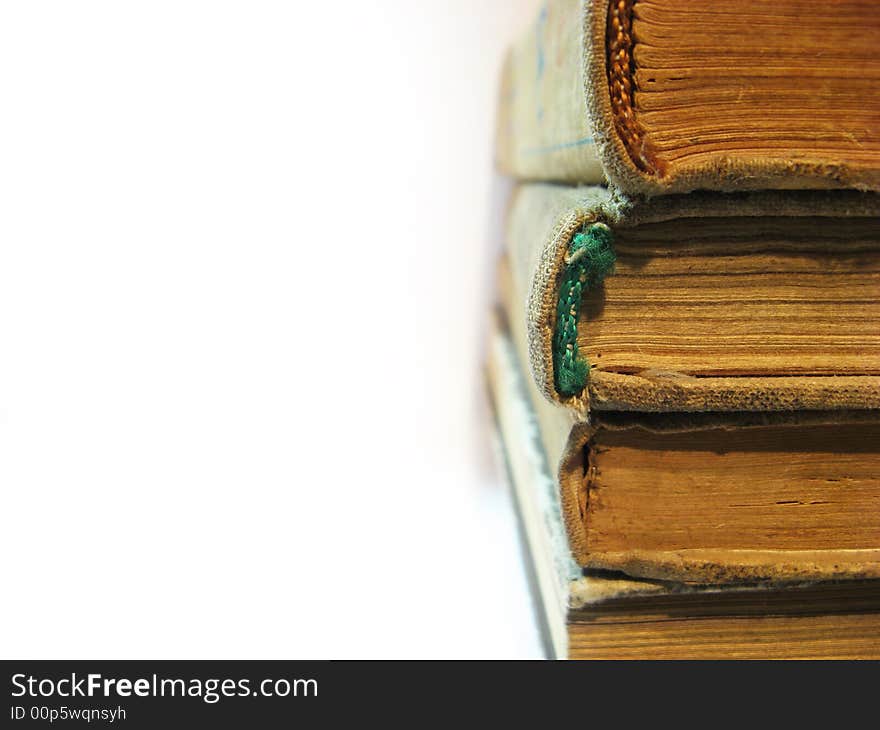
point(245, 262)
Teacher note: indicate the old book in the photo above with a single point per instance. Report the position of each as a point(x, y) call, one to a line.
point(602, 615)
point(661, 96)
point(701, 302)
point(708, 495)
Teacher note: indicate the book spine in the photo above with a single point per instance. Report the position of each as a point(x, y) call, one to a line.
point(544, 130)
point(542, 223)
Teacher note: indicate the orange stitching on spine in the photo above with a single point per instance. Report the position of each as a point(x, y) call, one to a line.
point(620, 67)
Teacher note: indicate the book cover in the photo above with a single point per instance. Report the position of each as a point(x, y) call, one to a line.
point(669, 96)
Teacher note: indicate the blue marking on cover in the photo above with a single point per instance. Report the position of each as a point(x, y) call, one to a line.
point(540, 59)
point(557, 147)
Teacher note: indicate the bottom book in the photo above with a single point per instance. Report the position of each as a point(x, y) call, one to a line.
point(602, 615)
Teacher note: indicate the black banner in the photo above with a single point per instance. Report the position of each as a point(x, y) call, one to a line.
point(170, 694)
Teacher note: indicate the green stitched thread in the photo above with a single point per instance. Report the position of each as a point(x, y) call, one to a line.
point(588, 261)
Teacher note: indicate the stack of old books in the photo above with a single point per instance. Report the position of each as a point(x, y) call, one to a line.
point(685, 365)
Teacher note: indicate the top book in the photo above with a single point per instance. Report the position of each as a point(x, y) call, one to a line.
point(670, 96)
